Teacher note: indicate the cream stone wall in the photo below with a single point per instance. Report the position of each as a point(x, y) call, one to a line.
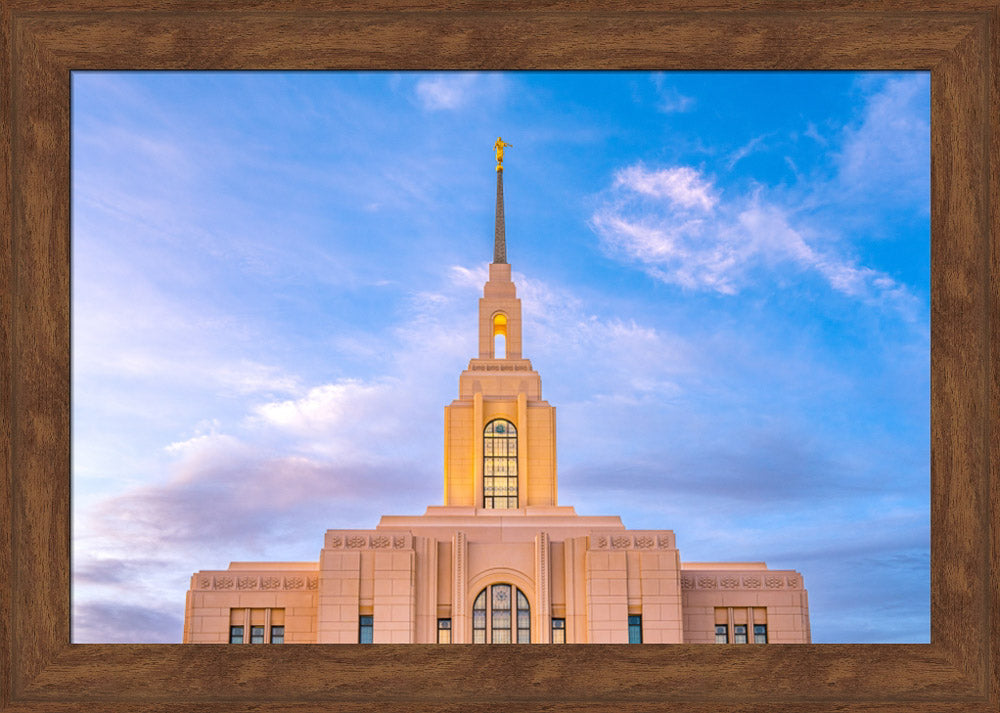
point(410, 571)
point(707, 589)
point(214, 594)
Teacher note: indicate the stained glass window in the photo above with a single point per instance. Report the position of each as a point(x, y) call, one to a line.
point(500, 465)
point(523, 619)
point(500, 602)
point(479, 619)
point(504, 620)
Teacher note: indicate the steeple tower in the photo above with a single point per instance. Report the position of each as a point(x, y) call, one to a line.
point(500, 390)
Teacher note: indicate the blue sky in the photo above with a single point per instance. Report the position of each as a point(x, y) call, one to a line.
point(725, 285)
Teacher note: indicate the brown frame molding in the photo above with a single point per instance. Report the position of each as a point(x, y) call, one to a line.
point(43, 40)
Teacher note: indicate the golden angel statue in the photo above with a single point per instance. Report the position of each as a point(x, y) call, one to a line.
point(500, 145)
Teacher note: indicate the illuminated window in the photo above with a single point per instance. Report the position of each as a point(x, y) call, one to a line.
point(277, 634)
point(721, 634)
point(366, 629)
point(500, 614)
point(503, 612)
point(236, 635)
point(558, 631)
point(739, 633)
point(634, 629)
point(500, 336)
point(500, 465)
point(760, 633)
point(444, 631)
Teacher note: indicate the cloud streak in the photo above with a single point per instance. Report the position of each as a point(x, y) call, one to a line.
point(674, 225)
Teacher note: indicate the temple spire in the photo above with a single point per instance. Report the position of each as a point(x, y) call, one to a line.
point(499, 236)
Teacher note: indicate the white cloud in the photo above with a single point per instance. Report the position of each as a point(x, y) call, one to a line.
point(456, 90)
point(346, 419)
point(682, 186)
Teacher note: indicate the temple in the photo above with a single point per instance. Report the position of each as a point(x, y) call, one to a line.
point(500, 561)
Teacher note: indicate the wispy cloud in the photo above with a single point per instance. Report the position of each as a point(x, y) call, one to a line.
point(745, 150)
point(457, 90)
point(673, 223)
point(887, 152)
point(813, 133)
point(669, 100)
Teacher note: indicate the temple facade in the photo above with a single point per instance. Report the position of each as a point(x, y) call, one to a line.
point(500, 561)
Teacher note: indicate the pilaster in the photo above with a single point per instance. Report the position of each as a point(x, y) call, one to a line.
point(459, 616)
point(543, 588)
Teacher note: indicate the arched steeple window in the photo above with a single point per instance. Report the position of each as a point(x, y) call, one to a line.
point(500, 465)
point(499, 336)
point(498, 617)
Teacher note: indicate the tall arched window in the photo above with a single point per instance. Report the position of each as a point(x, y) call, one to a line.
point(500, 465)
point(496, 620)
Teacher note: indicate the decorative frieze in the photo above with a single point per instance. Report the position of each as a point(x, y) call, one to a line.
point(248, 583)
point(739, 580)
point(487, 366)
point(364, 541)
point(254, 582)
point(632, 540)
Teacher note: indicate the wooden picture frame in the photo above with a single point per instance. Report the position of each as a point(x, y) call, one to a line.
point(42, 42)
